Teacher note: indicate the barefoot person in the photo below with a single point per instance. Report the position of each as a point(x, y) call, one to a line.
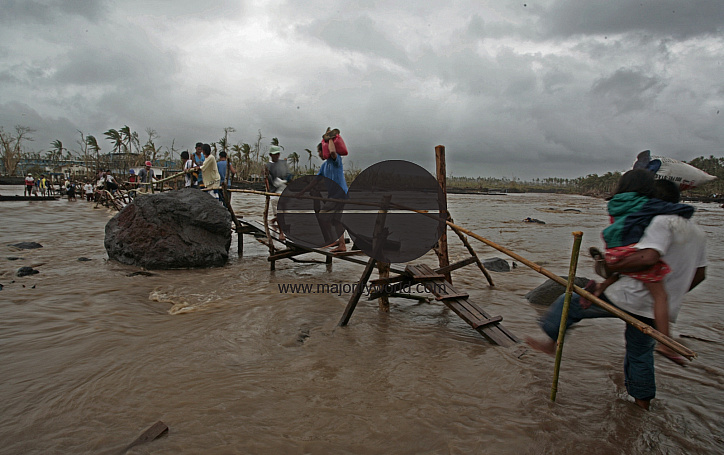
point(329, 214)
point(678, 242)
point(333, 169)
point(276, 173)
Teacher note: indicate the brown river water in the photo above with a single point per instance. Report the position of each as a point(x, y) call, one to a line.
point(90, 357)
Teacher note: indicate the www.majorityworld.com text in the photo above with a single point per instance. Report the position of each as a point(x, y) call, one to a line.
point(349, 288)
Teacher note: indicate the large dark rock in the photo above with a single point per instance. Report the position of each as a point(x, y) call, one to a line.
point(177, 229)
point(27, 245)
point(549, 291)
point(496, 265)
point(25, 271)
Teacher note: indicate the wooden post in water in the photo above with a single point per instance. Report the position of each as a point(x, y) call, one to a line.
point(379, 237)
point(577, 236)
point(441, 172)
point(226, 194)
point(270, 241)
point(384, 300)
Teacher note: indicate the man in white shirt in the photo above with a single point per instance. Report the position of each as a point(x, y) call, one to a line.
point(678, 242)
point(29, 184)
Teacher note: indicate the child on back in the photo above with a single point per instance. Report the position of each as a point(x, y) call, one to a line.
point(637, 200)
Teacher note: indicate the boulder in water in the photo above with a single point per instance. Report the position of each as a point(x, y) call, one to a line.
point(177, 229)
point(496, 265)
point(550, 290)
point(27, 245)
point(25, 271)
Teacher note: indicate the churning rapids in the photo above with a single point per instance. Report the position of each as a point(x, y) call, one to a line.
point(91, 357)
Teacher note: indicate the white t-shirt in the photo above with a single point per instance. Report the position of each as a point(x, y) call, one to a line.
point(682, 245)
point(187, 178)
point(88, 188)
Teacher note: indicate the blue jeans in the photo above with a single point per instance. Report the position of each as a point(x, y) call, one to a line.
point(639, 362)
point(220, 195)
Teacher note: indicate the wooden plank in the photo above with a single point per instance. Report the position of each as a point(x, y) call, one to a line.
point(471, 313)
point(455, 266)
point(285, 254)
point(459, 295)
point(423, 273)
point(491, 321)
point(394, 279)
point(462, 309)
point(348, 253)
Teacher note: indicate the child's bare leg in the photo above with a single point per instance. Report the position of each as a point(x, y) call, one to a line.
point(661, 319)
point(661, 306)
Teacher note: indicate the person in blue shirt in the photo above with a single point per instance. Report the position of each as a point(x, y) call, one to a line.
point(330, 213)
point(198, 159)
point(222, 165)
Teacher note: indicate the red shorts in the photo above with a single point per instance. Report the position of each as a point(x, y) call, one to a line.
point(652, 275)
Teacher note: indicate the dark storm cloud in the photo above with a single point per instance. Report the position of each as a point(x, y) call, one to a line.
point(628, 90)
point(123, 61)
point(532, 90)
point(676, 18)
point(49, 11)
point(357, 34)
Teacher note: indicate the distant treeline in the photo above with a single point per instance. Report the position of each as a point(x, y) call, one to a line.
point(250, 158)
point(590, 185)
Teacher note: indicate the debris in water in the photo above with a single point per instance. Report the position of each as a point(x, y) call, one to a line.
point(141, 273)
point(27, 245)
point(24, 271)
point(155, 431)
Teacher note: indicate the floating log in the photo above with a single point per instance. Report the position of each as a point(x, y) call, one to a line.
point(154, 432)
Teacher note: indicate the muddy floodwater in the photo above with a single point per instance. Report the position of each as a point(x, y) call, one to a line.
point(90, 357)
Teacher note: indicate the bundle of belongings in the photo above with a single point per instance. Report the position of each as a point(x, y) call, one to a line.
point(339, 145)
point(685, 175)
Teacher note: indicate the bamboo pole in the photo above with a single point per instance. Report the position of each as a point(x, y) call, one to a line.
point(577, 236)
point(170, 177)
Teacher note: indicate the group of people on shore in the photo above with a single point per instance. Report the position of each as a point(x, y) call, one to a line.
point(44, 187)
point(204, 171)
point(37, 187)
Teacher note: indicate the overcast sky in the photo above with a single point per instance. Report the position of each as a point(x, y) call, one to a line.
point(525, 89)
